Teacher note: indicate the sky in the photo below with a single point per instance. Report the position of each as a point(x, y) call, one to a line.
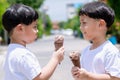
point(56, 9)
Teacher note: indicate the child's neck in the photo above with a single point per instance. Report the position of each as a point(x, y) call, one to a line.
point(97, 43)
point(18, 42)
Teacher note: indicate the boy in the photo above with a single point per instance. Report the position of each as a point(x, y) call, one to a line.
point(20, 21)
point(100, 60)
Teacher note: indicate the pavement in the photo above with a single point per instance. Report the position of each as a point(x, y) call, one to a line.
point(2, 58)
point(43, 49)
point(2, 53)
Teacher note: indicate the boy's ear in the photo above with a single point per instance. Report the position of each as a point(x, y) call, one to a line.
point(102, 23)
point(19, 27)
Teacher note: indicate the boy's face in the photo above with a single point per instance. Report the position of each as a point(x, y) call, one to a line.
point(30, 32)
point(89, 27)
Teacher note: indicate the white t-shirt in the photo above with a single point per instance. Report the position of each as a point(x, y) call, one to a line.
point(20, 63)
point(104, 59)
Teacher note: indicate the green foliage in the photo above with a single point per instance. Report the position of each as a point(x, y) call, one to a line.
point(3, 6)
point(115, 28)
point(73, 24)
point(40, 28)
point(33, 3)
point(115, 5)
point(48, 25)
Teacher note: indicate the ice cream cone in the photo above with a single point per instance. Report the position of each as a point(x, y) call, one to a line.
point(75, 58)
point(58, 42)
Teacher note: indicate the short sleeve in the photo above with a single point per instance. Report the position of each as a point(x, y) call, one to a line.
point(112, 64)
point(29, 66)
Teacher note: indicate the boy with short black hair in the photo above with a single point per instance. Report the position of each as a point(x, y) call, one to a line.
point(100, 60)
point(20, 21)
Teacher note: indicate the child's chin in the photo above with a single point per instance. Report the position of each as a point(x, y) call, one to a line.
point(86, 38)
point(36, 39)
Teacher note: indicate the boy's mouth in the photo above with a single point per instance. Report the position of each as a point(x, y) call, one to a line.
point(84, 33)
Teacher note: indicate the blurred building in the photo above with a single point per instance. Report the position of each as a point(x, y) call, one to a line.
point(61, 10)
point(72, 9)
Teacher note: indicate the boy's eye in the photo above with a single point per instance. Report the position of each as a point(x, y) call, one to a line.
point(83, 23)
point(35, 27)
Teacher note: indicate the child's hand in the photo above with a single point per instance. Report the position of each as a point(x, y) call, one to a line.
point(59, 54)
point(79, 74)
point(59, 39)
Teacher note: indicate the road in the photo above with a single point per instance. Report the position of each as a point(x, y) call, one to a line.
point(44, 48)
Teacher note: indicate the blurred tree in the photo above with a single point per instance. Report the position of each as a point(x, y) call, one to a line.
point(47, 25)
point(115, 5)
point(115, 29)
point(33, 3)
point(3, 6)
point(73, 24)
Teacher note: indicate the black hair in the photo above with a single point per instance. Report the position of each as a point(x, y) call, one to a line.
point(18, 14)
point(98, 10)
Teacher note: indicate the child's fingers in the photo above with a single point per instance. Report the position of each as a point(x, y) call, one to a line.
point(61, 49)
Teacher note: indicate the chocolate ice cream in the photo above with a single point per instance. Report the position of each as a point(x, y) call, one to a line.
point(75, 58)
point(58, 42)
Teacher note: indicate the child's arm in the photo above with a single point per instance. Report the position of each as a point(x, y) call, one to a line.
point(48, 70)
point(81, 74)
point(57, 57)
point(92, 76)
